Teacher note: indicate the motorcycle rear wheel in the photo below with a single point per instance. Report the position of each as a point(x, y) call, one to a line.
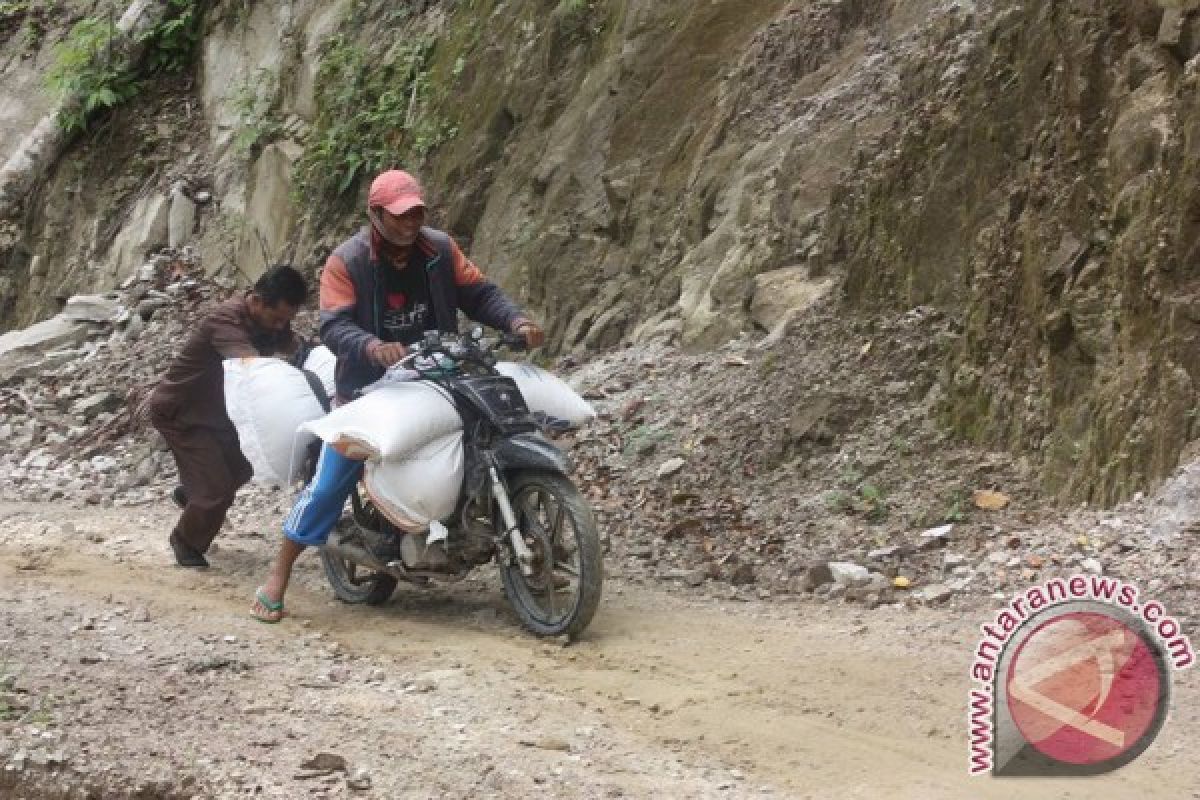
point(562, 595)
point(351, 582)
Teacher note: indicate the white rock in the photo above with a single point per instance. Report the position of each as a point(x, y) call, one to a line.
point(182, 217)
point(670, 467)
point(846, 573)
point(89, 406)
point(359, 780)
point(940, 532)
point(145, 231)
point(936, 593)
point(100, 308)
point(27, 346)
point(103, 463)
point(781, 293)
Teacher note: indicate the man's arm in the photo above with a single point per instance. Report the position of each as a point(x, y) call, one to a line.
point(479, 298)
point(340, 332)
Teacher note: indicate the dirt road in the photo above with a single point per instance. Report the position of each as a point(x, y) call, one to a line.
point(133, 675)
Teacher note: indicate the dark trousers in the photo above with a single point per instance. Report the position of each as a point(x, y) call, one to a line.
point(211, 470)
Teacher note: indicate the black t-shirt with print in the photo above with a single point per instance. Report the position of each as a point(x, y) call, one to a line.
point(407, 310)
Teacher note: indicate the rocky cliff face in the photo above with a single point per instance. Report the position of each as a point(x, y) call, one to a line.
point(639, 170)
point(1046, 187)
point(628, 167)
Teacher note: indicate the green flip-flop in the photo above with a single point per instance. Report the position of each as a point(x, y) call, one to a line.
point(272, 606)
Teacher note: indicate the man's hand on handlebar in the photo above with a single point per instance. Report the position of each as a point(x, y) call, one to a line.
point(533, 333)
point(385, 354)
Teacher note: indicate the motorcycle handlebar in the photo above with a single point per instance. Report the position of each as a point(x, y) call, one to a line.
point(458, 347)
point(513, 341)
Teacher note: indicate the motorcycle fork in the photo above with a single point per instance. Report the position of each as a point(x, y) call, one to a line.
point(511, 529)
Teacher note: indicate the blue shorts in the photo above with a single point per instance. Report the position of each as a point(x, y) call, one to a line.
point(320, 505)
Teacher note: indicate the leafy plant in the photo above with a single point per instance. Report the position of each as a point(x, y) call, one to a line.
point(256, 123)
point(873, 502)
point(31, 21)
point(372, 113)
point(850, 476)
point(956, 509)
point(86, 67)
point(173, 41)
point(768, 364)
point(839, 501)
point(32, 33)
point(41, 713)
point(646, 438)
point(89, 65)
point(575, 18)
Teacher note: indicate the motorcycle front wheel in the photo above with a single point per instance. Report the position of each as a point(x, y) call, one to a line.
point(561, 596)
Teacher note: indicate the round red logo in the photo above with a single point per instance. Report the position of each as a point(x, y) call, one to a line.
point(1086, 688)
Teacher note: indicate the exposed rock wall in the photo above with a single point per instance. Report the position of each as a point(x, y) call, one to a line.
point(1049, 192)
point(633, 172)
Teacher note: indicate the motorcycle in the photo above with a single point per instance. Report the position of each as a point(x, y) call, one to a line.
point(516, 506)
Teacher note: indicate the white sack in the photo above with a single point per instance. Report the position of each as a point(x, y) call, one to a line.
point(322, 362)
point(268, 400)
point(388, 423)
point(413, 491)
point(548, 395)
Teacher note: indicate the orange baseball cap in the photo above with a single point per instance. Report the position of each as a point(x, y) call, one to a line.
point(396, 192)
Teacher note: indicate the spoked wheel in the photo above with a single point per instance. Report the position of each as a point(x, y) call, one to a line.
point(351, 582)
point(562, 594)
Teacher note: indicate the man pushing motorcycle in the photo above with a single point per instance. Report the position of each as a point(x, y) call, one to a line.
point(381, 290)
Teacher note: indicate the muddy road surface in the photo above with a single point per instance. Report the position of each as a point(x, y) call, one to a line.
point(126, 676)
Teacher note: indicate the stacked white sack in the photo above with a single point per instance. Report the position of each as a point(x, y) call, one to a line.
point(390, 423)
point(414, 491)
point(268, 401)
point(410, 435)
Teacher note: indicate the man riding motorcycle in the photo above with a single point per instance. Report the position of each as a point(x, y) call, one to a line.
point(380, 291)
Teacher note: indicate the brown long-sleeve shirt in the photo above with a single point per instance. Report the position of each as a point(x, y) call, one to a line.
point(192, 393)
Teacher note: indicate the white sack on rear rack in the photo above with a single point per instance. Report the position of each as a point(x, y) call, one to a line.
point(268, 400)
point(549, 396)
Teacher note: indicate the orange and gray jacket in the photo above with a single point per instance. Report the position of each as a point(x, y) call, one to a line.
point(352, 299)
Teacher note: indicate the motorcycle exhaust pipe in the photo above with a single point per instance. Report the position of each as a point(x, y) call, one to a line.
point(360, 556)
